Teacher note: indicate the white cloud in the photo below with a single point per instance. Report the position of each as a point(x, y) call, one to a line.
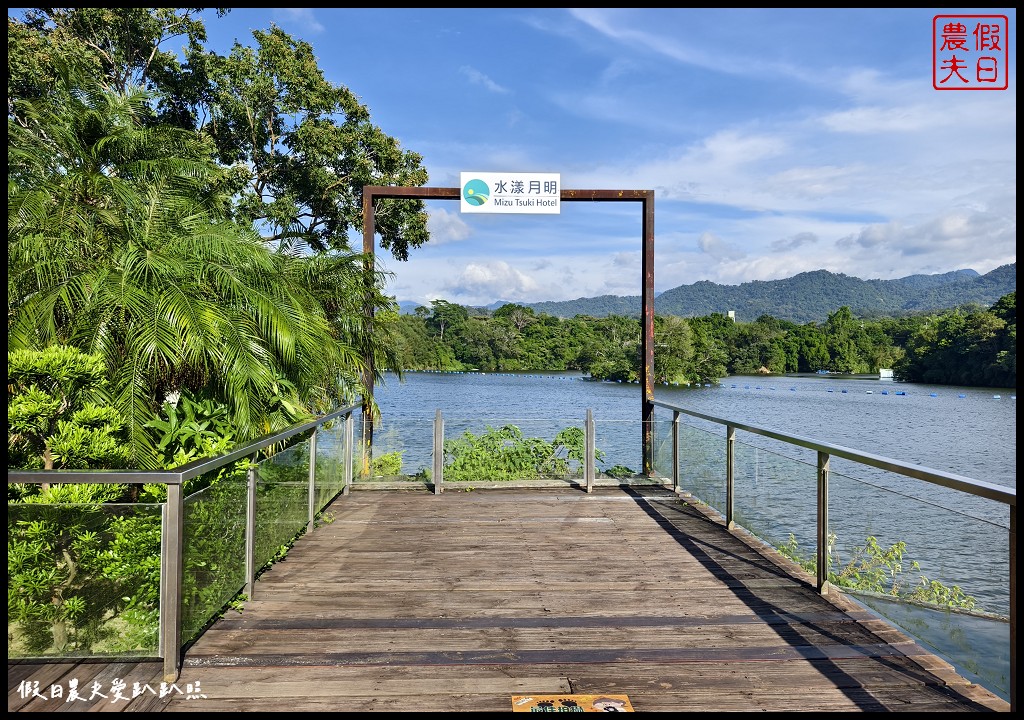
point(871, 120)
point(478, 78)
point(497, 280)
point(794, 241)
point(703, 52)
point(717, 248)
point(446, 227)
point(302, 17)
point(809, 183)
point(627, 260)
point(988, 238)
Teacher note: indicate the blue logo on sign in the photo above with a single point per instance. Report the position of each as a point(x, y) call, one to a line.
point(475, 192)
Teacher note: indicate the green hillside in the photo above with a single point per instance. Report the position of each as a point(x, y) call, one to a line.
point(807, 297)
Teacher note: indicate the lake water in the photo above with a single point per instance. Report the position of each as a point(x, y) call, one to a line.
point(958, 540)
point(968, 431)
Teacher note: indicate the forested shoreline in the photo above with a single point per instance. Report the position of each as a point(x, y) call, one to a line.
point(967, 345)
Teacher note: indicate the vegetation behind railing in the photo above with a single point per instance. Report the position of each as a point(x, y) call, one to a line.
point(83, 579)
point(93, 579)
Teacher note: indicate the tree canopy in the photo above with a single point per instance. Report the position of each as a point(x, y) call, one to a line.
point(298, 148)
point(185, 215)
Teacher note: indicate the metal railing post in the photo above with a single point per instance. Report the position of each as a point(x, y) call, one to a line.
point(250, 529)
point(312, 481)
point(823, 468)
point(172, 554)
point(438, 452)
point(730, 474)
point(675, 450)
point(589, 449)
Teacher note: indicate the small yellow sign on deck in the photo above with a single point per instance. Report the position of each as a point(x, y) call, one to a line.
point(571, 703)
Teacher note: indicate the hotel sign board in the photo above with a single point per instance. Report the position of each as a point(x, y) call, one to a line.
point(520, 193)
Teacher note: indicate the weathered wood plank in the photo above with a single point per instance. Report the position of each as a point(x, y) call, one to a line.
point(25, 688)
point(85, 686)
point(298, 621)
point(738, 638)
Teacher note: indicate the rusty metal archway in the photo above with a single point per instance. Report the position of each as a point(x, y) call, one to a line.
point(645, 197)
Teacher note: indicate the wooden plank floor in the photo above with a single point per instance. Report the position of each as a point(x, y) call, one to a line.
point(409, 601)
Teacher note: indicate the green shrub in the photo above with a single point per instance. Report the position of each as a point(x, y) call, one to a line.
point(505, 454)
point(387, 465)
point(872, 568)
point(619, 472)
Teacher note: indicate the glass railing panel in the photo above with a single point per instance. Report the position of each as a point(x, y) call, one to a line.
point(402, 447)
point(775, 496)
point(501, 449)
point(620, 445)
point(978, 646)
point(213, 555)
point(83, 580)
point(359, 470)
point(958, 539)
point(944, 554)
point(932, 561)
point(662, 431)
point(330, 463)
point(282, 501)
point(702, 462)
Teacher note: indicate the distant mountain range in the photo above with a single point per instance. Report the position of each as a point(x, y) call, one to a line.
point(807, 297)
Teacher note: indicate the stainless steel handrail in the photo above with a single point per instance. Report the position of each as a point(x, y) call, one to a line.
point(999, 493)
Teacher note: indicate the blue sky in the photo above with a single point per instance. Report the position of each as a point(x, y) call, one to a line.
point(777, 141)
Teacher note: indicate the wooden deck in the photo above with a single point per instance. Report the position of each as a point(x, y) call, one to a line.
point(409, 601)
